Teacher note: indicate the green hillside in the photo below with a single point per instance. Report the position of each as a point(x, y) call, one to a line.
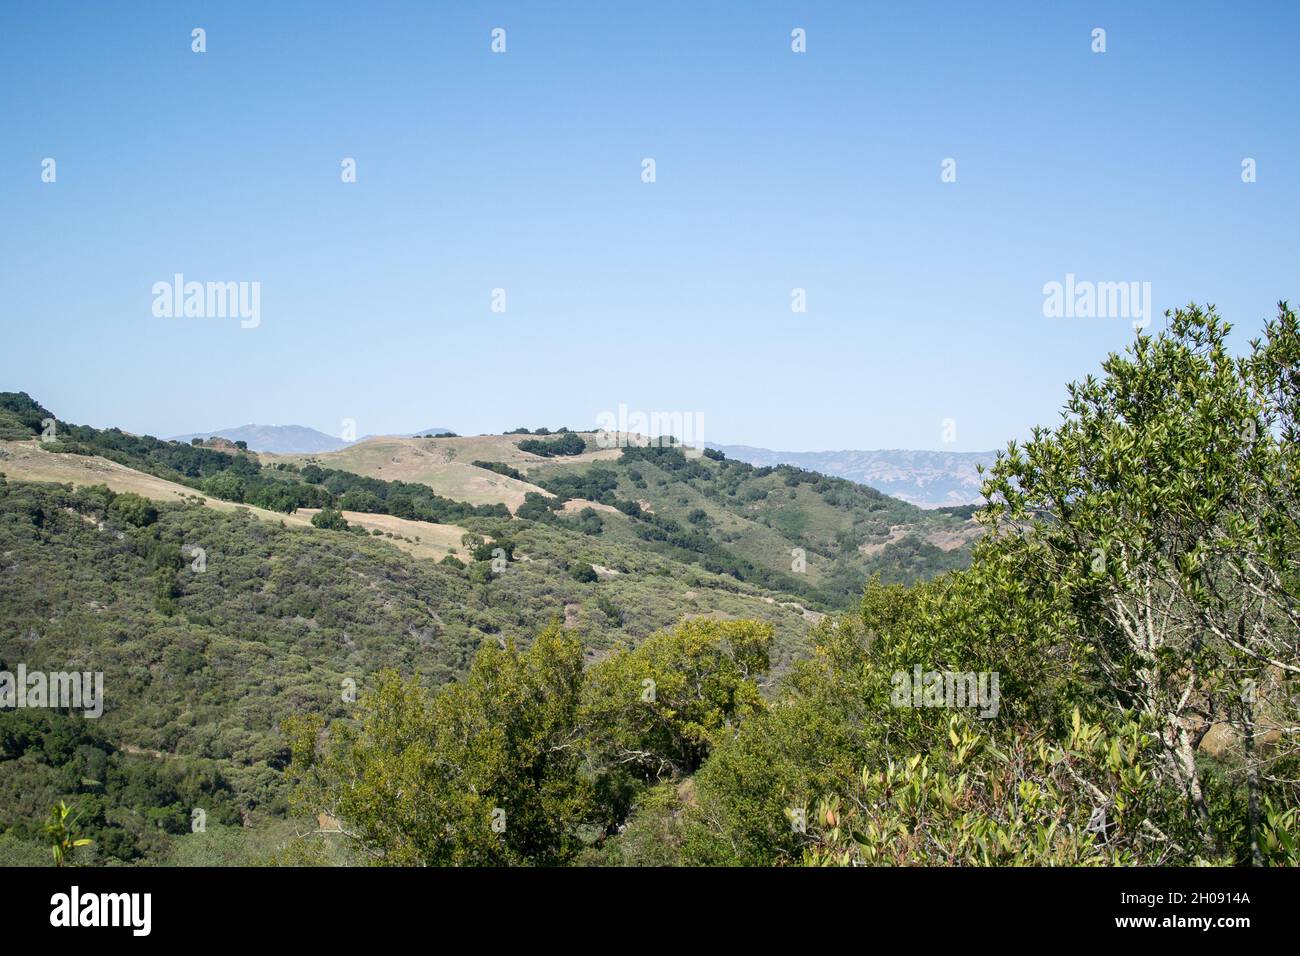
point(201, 668)
point(732, 517)
point(626, 670)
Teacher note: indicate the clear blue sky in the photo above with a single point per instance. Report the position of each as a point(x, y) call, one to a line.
point(522, 171)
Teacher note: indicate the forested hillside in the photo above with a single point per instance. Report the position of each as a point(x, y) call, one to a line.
point(1136, 599)
point(630, 668)
point(203, 660)
point(706, 509)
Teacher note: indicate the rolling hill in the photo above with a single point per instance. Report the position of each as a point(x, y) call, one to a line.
point(929, 479)
point(433, 557)
point(762, 515)
point(286, 439)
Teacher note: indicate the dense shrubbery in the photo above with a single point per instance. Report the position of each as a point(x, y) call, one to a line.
point(353, 492)
point(129, 804)
point(570, 443)
point(203, 665)
point(501, 468)
point(531, 758)
point(1109, 604)
point(330, 520)
point(200, 665)
point(1137, 602)
point(594, 484)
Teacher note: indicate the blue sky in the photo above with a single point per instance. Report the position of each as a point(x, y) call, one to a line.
point(522, 171)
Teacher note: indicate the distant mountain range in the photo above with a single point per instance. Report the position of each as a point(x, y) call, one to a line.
point(283, 439)
point(287, 439)
point(930, 479)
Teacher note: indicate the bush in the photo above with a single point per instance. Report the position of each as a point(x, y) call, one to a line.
point(330, 520)
point(567, 444)
point(130, 508)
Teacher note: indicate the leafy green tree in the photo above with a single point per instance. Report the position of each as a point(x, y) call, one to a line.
point(590, 522)
point(226, 485)
point(1029, 802)
point(1166, 505)
point(330, 520)
point(656, 711)
point(537, 507)
point(130, 508)
point(1138, 572)
point(490, 771)
point(569, 443)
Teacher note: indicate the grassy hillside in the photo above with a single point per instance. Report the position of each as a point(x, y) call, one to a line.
point(1111, 682)
point(749, 516)
point(444, 464)
point(201, 667)
point(769, 517)
point(622, 666)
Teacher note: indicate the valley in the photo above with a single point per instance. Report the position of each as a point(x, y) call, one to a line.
point(615, 544)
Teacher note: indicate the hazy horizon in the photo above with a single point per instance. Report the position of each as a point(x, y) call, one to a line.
point(398, 432)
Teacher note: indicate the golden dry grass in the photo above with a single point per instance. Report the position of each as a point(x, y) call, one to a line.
point(445, 464)
point(434, 540)
point(27, 461)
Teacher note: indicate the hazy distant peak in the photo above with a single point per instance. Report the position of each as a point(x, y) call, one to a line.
point(281, 439)
point(930, 479)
